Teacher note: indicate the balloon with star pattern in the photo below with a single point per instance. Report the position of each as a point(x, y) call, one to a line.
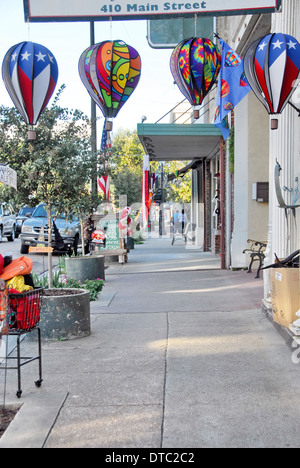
point(272, 66)
point(30, 73)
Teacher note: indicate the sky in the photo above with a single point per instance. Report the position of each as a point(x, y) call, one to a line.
point(156, 93)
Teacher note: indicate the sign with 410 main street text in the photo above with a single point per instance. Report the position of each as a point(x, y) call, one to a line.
point(101, 10)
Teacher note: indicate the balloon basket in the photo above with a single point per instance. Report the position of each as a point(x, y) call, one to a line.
point(274, 124)
point(31, 134)
point(108, 126)
point(196, 114)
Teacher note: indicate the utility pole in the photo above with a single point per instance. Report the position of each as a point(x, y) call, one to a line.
point(93, 123)
point(161, 206)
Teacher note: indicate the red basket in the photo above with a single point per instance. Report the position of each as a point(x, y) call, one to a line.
point(25, 309)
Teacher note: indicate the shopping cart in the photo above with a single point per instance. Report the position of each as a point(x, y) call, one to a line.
point(22, 317)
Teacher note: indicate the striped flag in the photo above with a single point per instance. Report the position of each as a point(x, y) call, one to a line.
point(103, 183)
point(145, 193)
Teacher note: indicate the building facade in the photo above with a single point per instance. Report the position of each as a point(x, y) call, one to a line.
point(258, 149)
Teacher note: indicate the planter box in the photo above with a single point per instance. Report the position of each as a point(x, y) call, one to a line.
point(65, 316)
point(83, 268)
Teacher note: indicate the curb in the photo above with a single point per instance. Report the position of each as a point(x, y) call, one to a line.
point(33, 422)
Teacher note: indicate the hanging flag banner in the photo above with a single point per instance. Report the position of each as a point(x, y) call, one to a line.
point(145, 193)
point(232, 87)
point(103, 183)
point(79, 10)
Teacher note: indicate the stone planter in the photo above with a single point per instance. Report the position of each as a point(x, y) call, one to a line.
point(85, 267)
point(65, 314)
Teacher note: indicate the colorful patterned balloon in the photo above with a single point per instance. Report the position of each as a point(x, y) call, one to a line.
point(217, 112)
point(228, 106)
point(225, 89)
point(110, 71)
point(272, 66)
point(30, 74)
point(243, 80)
point(232, 59)
point(195, 65)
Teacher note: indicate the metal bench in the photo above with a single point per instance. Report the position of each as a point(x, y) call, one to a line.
point(256, 250)
point(189, 233)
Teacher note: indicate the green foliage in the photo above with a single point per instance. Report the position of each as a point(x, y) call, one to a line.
point(179, 189)
point(127, 182)
point(139, 239)
point(62, 281)
point(127, 151)
point(94, 286)
point(127, 166)
point(57, 166)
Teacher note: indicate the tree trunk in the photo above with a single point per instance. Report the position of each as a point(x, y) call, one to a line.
point(82, 235)
point(50, 273)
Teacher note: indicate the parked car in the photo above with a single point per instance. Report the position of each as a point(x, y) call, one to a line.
point(7, 222)
point(69, 230)
point(24, 213)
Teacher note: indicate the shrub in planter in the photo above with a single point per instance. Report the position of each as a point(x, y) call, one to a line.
point(93, 286)
point(62, 281)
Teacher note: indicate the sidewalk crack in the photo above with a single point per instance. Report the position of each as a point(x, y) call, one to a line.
point(165, 382)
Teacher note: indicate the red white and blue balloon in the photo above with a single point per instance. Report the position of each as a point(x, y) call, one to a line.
point(30, 74)
point(272, 66)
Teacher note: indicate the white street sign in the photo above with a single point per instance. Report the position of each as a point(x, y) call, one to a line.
point(80, 10)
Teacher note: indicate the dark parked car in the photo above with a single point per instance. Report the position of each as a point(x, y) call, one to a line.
point(24, 213)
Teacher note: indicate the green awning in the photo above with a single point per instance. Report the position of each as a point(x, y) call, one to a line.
point(175, 142)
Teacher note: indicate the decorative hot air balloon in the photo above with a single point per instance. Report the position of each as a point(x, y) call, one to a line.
point(272, 66)
point(30, 74)
point(195, 64)
point(110, 71)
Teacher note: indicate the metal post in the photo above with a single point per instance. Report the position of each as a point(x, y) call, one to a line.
point(161, 206)
point(93, 123)
point(222, 203)
point(4, 327)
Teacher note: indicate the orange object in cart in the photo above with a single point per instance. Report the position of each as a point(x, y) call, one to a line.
point(19, 266)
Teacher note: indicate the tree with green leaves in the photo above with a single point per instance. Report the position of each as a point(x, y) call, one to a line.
point(126, 166)
point(55, 168)
point(179, 189)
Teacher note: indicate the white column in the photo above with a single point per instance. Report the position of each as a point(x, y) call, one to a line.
point(285, 148)
point(283, 237)
point(240, 231)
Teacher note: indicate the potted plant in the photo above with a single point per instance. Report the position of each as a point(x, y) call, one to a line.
point(65, 311)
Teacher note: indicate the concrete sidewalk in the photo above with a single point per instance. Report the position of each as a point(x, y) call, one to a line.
point(180, 356)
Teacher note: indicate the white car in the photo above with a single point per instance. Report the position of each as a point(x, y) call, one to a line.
point(7, 222)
